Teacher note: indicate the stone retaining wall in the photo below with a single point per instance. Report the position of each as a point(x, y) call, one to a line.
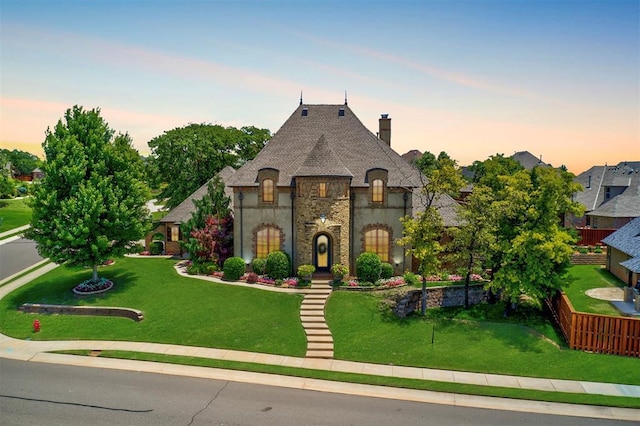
point(444, 296)
point(589, 259)
point(109, 311)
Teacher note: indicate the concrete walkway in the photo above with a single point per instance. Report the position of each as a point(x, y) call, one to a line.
point(28, 350)
point(319, 339)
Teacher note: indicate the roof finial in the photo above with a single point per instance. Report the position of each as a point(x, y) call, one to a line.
point(301, 97)
point(345, 97)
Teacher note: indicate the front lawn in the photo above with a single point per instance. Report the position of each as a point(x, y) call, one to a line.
point(479, 340)
point(176, 309)
point(14, 214)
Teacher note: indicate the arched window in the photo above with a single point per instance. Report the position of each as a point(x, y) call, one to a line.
point(267, 191)
point(377, 191)
point(267, 240)
point(377, 241)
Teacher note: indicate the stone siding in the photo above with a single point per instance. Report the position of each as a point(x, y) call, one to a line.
point(109, 311)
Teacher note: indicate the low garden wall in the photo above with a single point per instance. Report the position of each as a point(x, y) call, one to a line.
point(589, 259)
point(109, 311)
point(443, 296)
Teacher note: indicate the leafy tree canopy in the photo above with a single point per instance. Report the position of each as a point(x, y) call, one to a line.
point(22, 162)
point(487, 172)
point(187, 157)
point(90, 205)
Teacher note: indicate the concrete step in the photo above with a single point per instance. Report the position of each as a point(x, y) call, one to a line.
point(319, 339)
point(320, 346)
point(312, 312)
point(317, 332)
point(312, 306)
point(312, 318)
point(318, 291)
point(320, 354)
point(314, 326)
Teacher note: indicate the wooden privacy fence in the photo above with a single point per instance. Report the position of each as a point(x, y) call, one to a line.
point(592, 236)
point(596, 333)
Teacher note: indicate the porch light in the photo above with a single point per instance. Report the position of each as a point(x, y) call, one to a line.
point(323, 217)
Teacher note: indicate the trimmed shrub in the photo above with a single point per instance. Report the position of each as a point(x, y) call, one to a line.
point(252, 278)
point(368, 267)
point(156, 247)
point(278, 266)
point(305, 271)
point(386, 270)
point(233, 268)
point(259, 265)
point(411, 279)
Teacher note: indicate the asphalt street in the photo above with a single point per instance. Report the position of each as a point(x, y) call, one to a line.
point(38, 393)
point(17, 255)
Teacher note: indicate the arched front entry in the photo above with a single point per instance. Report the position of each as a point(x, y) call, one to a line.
point(322, 249)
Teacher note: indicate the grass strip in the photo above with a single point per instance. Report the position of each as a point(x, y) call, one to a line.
point(22, 274)
point(428, 385)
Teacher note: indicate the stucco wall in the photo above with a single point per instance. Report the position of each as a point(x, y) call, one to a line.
point(613, 264)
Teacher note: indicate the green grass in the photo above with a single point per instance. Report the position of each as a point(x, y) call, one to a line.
point(586, 277)
point(14, 214)
point(176, 309)
point(478, 340)
point(570, 398)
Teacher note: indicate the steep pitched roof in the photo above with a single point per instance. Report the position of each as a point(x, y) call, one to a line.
point(322, 161)
point(182, 212)
point(625, 177)
point(627, 240)
point(291, 150)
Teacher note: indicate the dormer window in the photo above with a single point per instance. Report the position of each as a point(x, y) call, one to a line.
point(305, 112)
point(377, 191)
point(341, 112)
point(268, 191)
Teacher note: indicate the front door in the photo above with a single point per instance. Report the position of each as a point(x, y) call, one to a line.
point(322, 253)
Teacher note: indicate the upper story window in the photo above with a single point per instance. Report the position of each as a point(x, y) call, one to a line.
point(377, 191)
point(322, 190)
point(268, 191)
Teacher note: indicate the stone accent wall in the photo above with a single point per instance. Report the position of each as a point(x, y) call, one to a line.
point(309, 206)
point(445, 296)
point(109, 311)
point(589, 259)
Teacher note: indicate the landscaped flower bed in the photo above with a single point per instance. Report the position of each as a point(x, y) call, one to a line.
point(91, 287)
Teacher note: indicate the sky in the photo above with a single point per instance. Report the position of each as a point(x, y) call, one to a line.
point(474, 78)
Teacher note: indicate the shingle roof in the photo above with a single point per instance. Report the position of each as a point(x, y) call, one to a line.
point(626, 239)
point(322, 161)
point(293, 149)
point(182, 212)
point(528, 160)
point(625, 175)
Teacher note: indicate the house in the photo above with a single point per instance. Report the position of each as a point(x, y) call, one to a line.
point(611, 196)
point(528, 160)
point(168, 229)
point(324, 190)
point(623, 254)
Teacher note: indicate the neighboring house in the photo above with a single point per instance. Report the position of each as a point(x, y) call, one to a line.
point(169, 225)
point(623, 254)
point(324, 190)
point(528, 160)
point(611, 196)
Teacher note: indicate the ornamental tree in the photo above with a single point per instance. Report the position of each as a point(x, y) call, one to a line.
point(187, 157)
point(90, 206)
point(213, 242)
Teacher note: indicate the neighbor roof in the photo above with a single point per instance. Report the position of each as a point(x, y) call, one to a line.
point(528, 160)
point(323, 142)
point(627, 240)
point(595, 181)
point(182, 212)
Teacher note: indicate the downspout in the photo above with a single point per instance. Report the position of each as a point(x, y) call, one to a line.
point(241, 197)
point(352, 199)
point(293, 237)
point(405, 198)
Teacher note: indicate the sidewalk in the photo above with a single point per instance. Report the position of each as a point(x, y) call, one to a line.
point(4, 235)
point(37, 351)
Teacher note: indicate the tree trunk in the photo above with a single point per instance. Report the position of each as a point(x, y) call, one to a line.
point(424, 296)
point(466, 290)
point(95, 273)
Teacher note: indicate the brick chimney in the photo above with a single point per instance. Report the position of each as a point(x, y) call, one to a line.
point(384, 127)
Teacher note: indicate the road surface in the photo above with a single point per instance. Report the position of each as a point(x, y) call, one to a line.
point(35, 393)
point(17, 255)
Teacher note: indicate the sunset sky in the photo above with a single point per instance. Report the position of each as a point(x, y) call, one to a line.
point(560, 79)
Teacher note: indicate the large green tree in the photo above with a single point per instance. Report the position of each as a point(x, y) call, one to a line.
point(185, 158)
point(90, 206)
point(533, 250)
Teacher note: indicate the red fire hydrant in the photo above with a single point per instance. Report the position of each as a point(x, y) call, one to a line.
point(36, 325)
